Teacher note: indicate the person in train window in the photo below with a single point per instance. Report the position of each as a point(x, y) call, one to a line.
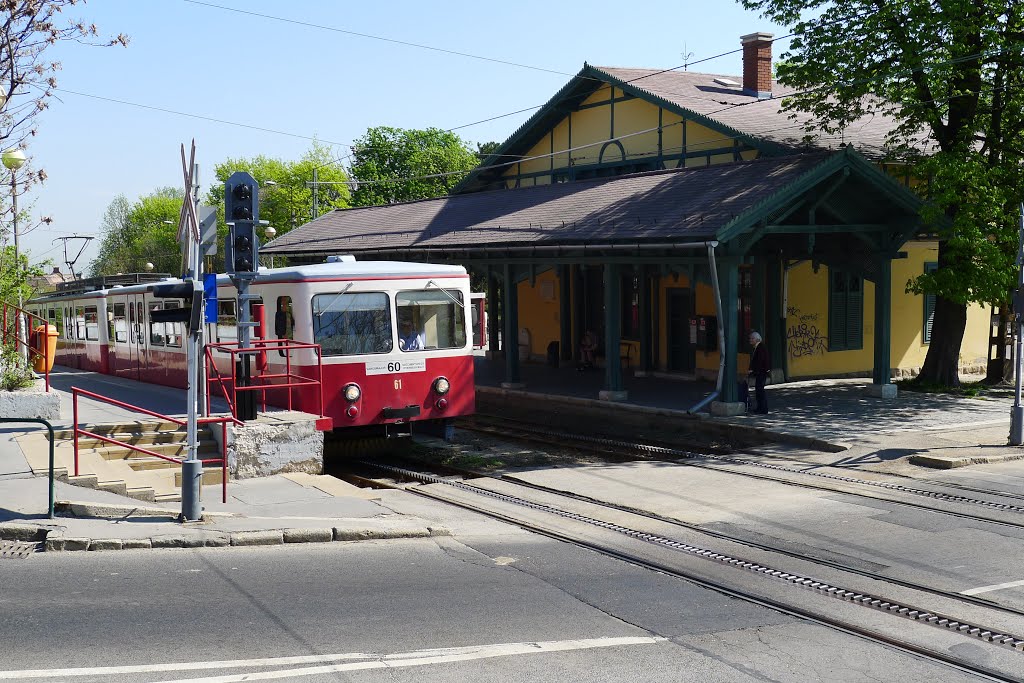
point(408, 338)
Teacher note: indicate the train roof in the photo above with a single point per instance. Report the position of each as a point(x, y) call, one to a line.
point(335, 270)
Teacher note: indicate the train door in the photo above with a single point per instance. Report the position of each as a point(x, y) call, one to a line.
point(681, 354)
point(135, 346)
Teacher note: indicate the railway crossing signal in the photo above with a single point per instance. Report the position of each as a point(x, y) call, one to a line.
point(242, 213)
point(191, 314)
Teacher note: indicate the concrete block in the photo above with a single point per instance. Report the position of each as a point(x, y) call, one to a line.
point(264, 448)
point(606, 395)
point(136, 543)
point(257, 538)
point(178, 541)
point(105, 544)
point(722, 409)
point(23, 532)
point(33, 401)
point(324, 535)
point(218, 541)
point(70, 544)
point(886, 391)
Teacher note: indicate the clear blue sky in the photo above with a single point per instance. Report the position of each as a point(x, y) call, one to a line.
point(309, 81)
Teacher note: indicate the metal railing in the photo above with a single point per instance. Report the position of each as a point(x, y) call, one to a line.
point(11, 332)
point(223, 420)
point(49, 427)
point(262, 381)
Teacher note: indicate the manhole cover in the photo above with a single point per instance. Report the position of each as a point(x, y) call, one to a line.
point(12, 549)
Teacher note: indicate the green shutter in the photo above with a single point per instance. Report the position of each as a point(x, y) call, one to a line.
point(929, 306)
point(837, 317)
point(854, 312)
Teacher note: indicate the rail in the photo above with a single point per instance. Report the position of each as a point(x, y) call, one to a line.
point(262, 381)
point(45, 423)
point(222, 420)
point(12, 332)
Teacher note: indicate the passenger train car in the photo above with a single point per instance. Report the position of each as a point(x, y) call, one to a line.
point(395, 337)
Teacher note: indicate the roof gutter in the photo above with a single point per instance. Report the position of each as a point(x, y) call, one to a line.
point(527, 248)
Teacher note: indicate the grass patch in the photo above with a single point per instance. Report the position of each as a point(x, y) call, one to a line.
point(966, 390)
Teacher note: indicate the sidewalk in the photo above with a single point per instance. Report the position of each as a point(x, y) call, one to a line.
point(288, 508)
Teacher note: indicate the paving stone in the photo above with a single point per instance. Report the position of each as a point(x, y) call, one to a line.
point(105, 544)
point(23, 532)
point(136, 543)
point(71, 544)
point(178, 541)
point(323, 535)
point(257, 538)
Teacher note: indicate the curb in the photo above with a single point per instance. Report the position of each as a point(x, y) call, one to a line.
point(700, 420)
point(52, 541)
point(941, 463)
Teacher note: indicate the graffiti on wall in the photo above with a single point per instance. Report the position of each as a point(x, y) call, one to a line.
point(804, 337)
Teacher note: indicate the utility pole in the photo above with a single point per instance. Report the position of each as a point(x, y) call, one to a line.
point(1017, 412)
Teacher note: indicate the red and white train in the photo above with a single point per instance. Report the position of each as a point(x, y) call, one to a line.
point(396, 338)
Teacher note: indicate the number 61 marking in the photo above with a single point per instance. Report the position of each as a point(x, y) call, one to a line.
point(398, 384)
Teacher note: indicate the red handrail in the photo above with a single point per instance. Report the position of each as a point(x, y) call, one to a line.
point(18, 341)
point(263, 346)
point(221, 419)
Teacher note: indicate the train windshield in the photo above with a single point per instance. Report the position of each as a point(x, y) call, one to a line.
point(430, 319)
point(352, 324)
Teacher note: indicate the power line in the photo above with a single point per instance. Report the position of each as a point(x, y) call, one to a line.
point(369, 36)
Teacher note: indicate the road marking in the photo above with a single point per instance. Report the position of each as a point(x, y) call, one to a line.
point(371, 661)
point(998, 586)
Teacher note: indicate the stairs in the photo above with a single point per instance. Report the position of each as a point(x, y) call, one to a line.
point(119, 469)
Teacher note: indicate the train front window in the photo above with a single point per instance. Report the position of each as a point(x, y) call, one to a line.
point(431, 319)
point(352, 324)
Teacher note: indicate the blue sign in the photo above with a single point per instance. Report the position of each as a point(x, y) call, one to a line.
point(210, 297)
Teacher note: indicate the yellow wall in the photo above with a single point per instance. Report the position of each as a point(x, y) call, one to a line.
point(538, 311)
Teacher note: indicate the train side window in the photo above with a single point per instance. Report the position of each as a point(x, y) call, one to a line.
point(431, 319)
point(352, 324)
point(173, 330)
point(92, 324)
point(119, 325)
point(157, 331)
point(284, 321)
point(227, 324)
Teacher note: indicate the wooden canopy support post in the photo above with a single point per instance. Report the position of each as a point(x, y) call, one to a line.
point(881, 375)
point(613, 388)
point(510, 333)
point(493, 317)
point(646, 321)
point(564, 313)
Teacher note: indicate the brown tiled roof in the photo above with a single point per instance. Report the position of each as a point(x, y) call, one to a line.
point(745, 114)
point(677, 205)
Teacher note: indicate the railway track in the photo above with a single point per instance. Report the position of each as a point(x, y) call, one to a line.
point(737, 465)
point(918, 619)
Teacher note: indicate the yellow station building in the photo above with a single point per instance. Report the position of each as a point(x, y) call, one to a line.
point(622, 202)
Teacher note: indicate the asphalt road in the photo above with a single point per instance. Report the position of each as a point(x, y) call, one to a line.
point(514, 606)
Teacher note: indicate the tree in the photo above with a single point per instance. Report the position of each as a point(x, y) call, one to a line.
point(394, 165)
point(951, 72)
point(140, 233)
point(286, 200)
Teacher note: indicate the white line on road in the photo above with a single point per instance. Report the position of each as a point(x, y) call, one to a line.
point(370, 661)
point(986, 589)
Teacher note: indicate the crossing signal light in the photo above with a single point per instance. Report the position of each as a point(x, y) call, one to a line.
point(241, 198)
point(244, 246)
point(191, 313)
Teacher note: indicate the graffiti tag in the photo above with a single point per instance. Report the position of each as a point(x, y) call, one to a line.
point(805, 339)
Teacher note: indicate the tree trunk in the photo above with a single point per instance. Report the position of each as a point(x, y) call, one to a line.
point(941, 365)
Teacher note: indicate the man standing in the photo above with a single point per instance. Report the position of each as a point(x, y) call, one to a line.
point(759, 367)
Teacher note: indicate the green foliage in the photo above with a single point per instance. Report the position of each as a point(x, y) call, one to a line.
point(14, 371)
point(397, 165)
point(140, 233)
point(950, 72)
point(285, 199)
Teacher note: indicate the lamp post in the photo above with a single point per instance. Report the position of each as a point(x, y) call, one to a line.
point(13, 159)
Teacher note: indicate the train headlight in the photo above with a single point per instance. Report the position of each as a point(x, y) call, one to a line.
point(352, 392)
point(442, 385)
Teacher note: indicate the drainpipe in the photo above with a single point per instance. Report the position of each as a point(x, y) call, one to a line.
point(721, 331)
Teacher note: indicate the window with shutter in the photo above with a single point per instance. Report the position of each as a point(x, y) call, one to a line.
point(845, 311)
point(929, 306)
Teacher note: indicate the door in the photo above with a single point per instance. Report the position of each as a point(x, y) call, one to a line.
point(136, 336)
point(681, 356)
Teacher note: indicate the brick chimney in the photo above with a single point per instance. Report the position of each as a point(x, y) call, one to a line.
point(757, 64)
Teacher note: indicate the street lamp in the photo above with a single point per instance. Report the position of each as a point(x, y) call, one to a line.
point(13, 159)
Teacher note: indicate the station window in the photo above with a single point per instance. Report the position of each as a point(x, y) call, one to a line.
point(845, 311)
point(431, 319)
point(351, 324)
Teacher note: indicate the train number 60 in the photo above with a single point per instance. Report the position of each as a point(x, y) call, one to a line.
point(395, 366)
